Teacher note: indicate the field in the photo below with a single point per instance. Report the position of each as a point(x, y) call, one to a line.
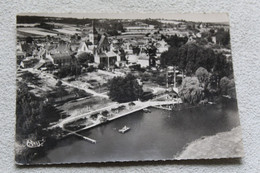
point(35, 32)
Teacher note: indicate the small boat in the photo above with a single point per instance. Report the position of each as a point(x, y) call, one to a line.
point(147, 110)
point(226, 96)
point(124, 129)
point(211, 103)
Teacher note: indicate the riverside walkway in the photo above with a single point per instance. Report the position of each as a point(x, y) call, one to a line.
point(141, 105)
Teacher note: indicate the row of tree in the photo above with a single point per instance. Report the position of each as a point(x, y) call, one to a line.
point(203, 86)
point(189, 57)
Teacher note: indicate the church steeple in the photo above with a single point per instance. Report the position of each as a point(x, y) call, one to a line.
point(93, 35)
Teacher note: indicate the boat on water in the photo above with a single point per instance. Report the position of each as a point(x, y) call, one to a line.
point(147, 110)
point(226, 96)
point(124, 129)
point(211, 103)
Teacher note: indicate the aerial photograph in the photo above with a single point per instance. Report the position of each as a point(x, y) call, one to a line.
point(113, 88)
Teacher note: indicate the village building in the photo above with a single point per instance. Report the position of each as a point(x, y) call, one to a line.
point(61, 59)
point(86, 46)
point(139, 28)
point(172, 31)
point(143, 60)
point(214, 39)
point(29, 62)
point(20, 54)
point(55, 54)
point(104, 54)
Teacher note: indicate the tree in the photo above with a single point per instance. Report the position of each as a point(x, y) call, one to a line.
point(124, 89)
point(161, 79)
point(227, 87)
point(151, 51)
point(60, 92)
point(170, 57)
point(91, 69)
point(101, 66)
point(212, 87)
point(113, 32)
point(59, 83)
point(29, 39)
point(145, 76)
point(223, 37)
point(203, 75)
point(122, 54)
point(231, 89)
point(85, 58)
point(136, 50)
point(191, 92)
point(175, 41)
point(224, 85)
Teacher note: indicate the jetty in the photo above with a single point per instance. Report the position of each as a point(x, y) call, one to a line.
point(161, 107)
point(93, 141)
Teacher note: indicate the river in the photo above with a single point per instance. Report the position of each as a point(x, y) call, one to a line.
point(158, 135)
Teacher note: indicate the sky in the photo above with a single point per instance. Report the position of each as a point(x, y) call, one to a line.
point(196, 17)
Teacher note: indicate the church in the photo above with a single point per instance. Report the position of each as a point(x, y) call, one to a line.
point(98, 45)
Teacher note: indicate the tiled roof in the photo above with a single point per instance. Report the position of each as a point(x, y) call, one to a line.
point(62, 56)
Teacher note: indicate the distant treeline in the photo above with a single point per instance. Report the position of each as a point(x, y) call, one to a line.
point(42, 19)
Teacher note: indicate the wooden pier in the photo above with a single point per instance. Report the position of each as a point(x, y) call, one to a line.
point(93, 141)
point(161, 107)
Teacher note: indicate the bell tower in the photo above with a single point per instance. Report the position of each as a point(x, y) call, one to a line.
point(93, 35)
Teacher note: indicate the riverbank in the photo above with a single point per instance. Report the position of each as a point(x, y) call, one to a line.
point(222, 145)
point(128, 110)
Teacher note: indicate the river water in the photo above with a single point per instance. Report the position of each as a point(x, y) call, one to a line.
point(158, 135)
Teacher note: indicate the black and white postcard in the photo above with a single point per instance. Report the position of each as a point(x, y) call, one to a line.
point(124, 87)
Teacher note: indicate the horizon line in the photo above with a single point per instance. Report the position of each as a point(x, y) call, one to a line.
point(192, 17)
